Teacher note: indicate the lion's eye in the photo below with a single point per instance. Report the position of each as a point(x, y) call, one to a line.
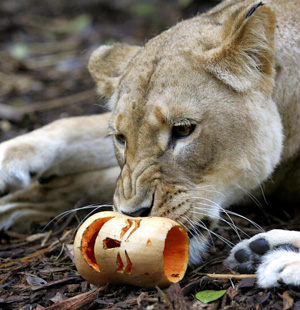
point(182, 131)
point(121, 139)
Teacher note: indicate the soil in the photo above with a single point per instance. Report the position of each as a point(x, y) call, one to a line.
point(44, 52)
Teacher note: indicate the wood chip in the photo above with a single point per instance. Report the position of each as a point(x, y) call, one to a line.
point(176, 296)
point(247, 283)
point(13, 299)
point(53, 283)
point(288, 301)
point(165, 298)
point(76, 302)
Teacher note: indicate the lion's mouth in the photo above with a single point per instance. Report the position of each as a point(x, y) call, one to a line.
point(143, 211)
point(147, 210)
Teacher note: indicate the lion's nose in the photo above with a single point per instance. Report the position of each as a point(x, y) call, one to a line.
point(142, 212)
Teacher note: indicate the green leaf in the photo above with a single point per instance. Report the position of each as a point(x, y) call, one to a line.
point(209, 295)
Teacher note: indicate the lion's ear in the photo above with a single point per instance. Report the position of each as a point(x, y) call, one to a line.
point(107, 63)
point(246, 54)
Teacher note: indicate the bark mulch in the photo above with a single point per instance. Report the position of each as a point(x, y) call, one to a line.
point(37, 272)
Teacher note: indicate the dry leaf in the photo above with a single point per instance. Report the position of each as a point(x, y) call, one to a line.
point(288, 301)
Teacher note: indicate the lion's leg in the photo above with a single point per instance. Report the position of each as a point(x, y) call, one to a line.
point(64, 147)
point(48, 170)
point(274, 255)
point(38, 203)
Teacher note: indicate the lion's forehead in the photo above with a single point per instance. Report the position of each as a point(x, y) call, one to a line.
point(145, 77)
point(134, 117)
point(164, 61)
point(169, 86)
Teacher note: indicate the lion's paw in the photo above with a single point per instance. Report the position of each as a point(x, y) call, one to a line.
point(274, 255)
point(23, 160)
point(17, 165)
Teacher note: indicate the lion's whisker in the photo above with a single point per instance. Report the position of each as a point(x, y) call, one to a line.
point(260, 186)
point(250, 195)
point(88, 215)
point(246, 219)
point(197, 231)
point(182, 224)
point(257, 226)
point(226, 241)
point(192, 231)
point(232, 226)
point(206, 199)
point(213, 190)
point(227, 212)
point(66, 213)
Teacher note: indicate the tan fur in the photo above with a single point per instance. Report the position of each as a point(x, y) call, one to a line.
point(18, 152)
point(224, 72)
point(233, 77)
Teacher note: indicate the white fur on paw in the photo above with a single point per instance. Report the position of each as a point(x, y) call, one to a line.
point(279, 266)
point(277, 237)
point(21, 159)
point(274, 255)
point(14, 172)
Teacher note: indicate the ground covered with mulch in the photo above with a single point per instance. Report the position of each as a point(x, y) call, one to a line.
point(37, 272)
point(44, 51)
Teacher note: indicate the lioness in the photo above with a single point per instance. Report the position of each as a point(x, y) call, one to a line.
point(202, 114)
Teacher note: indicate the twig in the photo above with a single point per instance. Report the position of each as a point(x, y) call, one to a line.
point(228, 276)
point(54, 283)
point(76, 302)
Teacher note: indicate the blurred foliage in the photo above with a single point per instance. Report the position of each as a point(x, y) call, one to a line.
point(184, 3)
point(143, 9)
point(77, 24)
point(19, 50)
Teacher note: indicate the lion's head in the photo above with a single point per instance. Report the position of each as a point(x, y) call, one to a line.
point(193, 121)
